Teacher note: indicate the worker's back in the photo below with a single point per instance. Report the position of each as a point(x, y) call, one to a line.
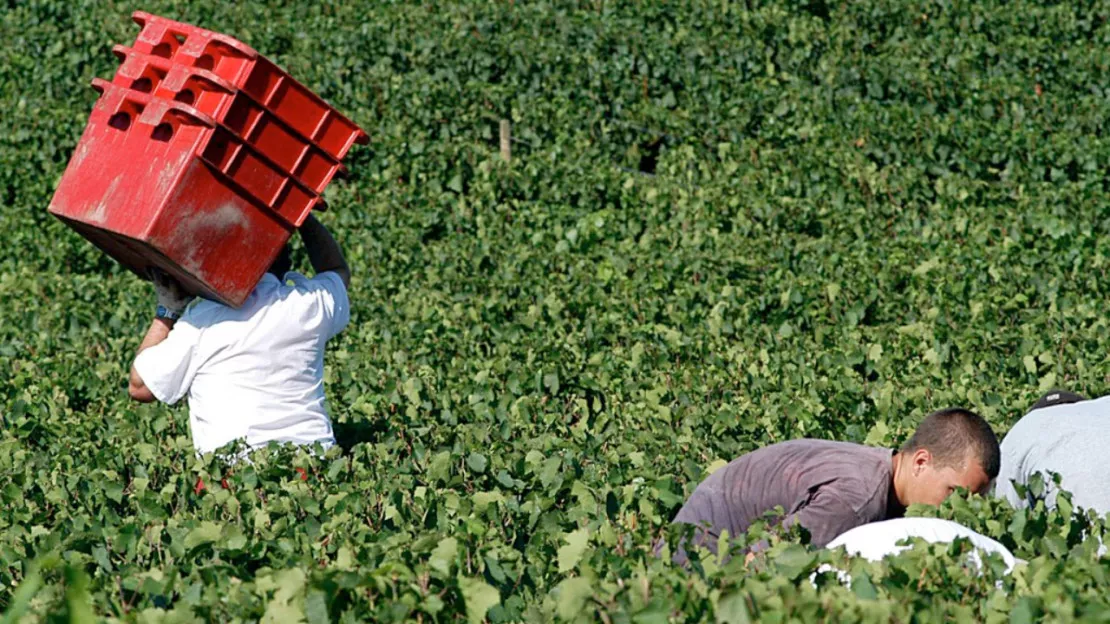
point(876, 540)
point(827, 486)
point(256, 372)
point(1068, 439)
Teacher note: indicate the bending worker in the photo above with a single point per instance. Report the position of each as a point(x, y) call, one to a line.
point(1063, 433)
point(255, 373)
point(829, 487)
point(877, 540)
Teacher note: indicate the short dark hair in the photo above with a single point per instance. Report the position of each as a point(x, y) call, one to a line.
point(952, 434)
point(283, 263)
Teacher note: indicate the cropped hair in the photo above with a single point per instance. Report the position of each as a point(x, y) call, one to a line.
point(953, 435)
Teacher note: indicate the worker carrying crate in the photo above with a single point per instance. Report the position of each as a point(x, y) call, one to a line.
point(199, 161)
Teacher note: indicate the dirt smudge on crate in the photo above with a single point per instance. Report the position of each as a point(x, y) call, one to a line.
point(80, 154)
point(166, 178)
point(99, 214)
point(195, 233)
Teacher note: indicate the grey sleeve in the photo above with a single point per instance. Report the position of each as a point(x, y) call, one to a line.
point(825, 516)
point(1004, 488)
point(706, 509)
point(1011, 470)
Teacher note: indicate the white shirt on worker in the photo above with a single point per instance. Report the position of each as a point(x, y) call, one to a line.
point(255, 373)
point(876, 540)
point(1068, 439)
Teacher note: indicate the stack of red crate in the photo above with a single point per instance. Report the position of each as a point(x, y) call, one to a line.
point(201, 157)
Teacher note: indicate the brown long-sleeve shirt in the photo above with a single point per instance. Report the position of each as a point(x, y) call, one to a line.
point(827, 487)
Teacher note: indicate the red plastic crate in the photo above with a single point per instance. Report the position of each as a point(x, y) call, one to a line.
point(246, 69)
point(155, 182)
point(216, 97)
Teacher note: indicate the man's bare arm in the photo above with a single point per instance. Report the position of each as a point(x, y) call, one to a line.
point(159, 330)
point(172, 300)
point(323, 252)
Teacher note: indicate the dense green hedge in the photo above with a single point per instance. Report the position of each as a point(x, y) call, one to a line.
point(725, 225)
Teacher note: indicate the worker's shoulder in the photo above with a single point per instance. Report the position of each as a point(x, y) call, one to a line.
point(818, 443)
point(896, 529)
point(812, 446)
point(833, 459)
point(203, 312)
point(1063, 419)
point(329, 281)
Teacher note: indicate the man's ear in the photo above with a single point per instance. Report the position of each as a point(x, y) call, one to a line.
point(921, 459)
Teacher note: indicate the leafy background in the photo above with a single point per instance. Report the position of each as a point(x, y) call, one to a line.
point(724, 225)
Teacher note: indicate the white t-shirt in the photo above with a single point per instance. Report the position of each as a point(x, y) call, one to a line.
point(255, 373)
point(876, 540)
point(1068, 439)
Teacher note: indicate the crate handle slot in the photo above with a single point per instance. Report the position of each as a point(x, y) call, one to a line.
point(120, 121)
point(162, 132)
